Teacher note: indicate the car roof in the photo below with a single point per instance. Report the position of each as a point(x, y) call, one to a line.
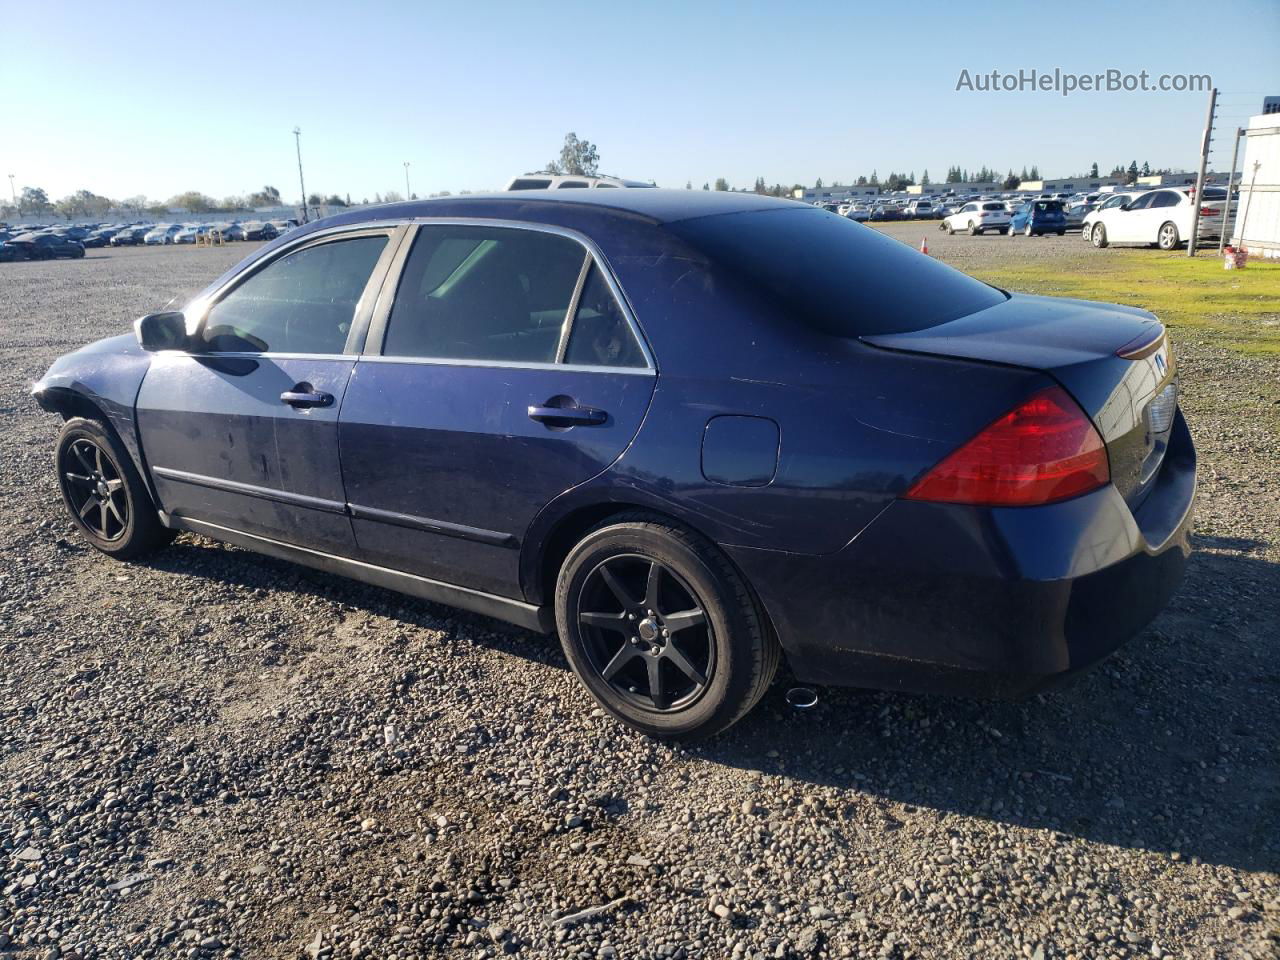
point(654, 204)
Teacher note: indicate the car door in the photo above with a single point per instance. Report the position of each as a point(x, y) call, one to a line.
point(1130, 222)
point(507, 370)
point(241, 432)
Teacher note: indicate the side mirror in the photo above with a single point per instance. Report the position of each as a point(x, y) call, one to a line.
point(162, 331)
point(1124, 206)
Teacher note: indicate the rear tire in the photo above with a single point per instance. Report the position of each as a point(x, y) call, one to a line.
point(103, 492)
point(1099, 235)
point(620, 623)
point(1028, 232)
point(972, 229)
point(1167, 238)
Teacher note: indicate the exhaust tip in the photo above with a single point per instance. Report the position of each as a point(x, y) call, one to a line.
point(802, 698)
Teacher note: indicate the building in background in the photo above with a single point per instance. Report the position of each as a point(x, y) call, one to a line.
point(959, 189)
point(1071, 184)
point(836, 193)
point(1270, 105)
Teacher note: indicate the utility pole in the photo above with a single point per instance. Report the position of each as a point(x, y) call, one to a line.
point(1204, 162)
point(408, 194)
point(297, 138)
point(13, 191)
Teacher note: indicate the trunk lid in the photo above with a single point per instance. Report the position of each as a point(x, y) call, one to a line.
point(1114, 360)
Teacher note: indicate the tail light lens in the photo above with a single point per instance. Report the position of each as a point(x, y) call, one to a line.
point(1042, 451)
point(1207, 211)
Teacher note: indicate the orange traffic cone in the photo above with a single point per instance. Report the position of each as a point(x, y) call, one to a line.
point(924, 245)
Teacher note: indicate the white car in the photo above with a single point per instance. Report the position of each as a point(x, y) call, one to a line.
point(978, 217)
point(1161, 217)
point(859, 212)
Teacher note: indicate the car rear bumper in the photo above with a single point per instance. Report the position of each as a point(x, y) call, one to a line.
point(982, 601)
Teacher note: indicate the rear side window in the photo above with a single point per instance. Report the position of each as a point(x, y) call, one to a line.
point(483, 293)
point(833, 274)
point(1165, 199)
point(302, 303)
point(601, 336)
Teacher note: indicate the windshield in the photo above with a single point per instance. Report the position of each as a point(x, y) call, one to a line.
point(836, 275)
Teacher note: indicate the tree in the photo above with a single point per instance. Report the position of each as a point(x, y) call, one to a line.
point(266, 197)
point(862, 181)
point(1035, 172)
point(1131, 175)
point(875, 181)
point(1146, 169)
point(760, 186)
point(34, 200)
point(818, 184)
point(391, 196)
point(577, 158)
point(136, 204)
point(82, 203)
point(722, 183)
point(234, 202)
point(193, 201)
point(1011, 182)
point(688, 184)
point(334, 200)
point(924, 178)
point(706, 186)
point(1093, 171)
point(157, 209)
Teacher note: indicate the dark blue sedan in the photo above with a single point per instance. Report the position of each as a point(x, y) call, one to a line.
point(693, 433)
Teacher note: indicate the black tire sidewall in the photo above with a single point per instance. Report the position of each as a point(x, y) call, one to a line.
point(737, 631)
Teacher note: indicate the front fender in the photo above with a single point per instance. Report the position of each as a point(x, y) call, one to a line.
point(101, 381)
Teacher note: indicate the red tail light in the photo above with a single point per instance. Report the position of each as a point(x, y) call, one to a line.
point(1207, 211)
point(1043, 450)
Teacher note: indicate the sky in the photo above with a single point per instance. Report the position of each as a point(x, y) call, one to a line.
point(158, 98)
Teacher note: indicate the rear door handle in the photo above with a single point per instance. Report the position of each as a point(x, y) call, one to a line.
point(306, 398)
point(574, 416)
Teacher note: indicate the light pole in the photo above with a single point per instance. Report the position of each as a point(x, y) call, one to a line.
point(408, 194)
point(297, 137)
point(13, 191)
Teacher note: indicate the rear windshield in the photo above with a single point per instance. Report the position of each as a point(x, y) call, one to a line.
point(993, 206)
point(1049, 206)
point(836, 275)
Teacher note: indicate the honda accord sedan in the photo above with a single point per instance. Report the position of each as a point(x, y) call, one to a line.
point(692, 433)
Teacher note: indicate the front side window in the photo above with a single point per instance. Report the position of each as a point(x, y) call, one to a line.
point(1142, 202)
point(304, 302)
point(483, 293)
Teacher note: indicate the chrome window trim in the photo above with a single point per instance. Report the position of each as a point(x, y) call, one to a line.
point(505, 364)
point(593, 251)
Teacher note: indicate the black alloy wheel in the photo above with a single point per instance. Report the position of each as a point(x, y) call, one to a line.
point(94, 489)
point(646, 632)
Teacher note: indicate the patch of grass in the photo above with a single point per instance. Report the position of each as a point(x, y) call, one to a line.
point(1238, 308)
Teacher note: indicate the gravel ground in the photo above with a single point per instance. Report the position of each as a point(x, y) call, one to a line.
point(215, 754)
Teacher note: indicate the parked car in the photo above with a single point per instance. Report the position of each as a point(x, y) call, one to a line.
point(47, 246)
point(99, 238)
point(1035, 218)
point(546, 181)
point(1075, 214)
point(257, 230)
point(978, 217)
point(859, 212)
point(161, 235)
point(963, 513)
point(10, 252)
point(130, 236)
point(1162, 217)
point(919, 210)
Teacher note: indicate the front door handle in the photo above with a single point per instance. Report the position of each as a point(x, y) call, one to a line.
point(302, 396)
point(568, 416)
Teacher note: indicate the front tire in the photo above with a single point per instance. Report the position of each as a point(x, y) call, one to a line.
point(1099, 236)
point(662, 630)
point(1085, 232)
point(103, 492)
